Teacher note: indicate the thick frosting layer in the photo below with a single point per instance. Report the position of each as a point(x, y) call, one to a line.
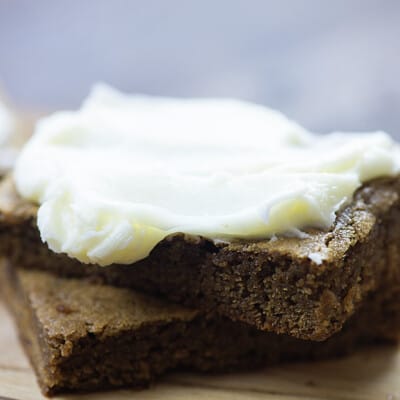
point(119, 175)
point(7, 127)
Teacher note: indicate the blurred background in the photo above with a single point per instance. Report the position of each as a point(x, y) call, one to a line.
point(331, 65)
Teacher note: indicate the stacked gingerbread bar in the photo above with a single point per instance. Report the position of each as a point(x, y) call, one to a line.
point(224, 300)
point(256, 303)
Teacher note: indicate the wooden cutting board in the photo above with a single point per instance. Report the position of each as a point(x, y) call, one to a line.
point(372, 374)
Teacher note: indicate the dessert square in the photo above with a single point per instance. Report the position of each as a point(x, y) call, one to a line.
point(84, 336)
point(304, 287)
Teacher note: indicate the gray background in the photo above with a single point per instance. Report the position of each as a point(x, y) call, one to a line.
point(328, 64)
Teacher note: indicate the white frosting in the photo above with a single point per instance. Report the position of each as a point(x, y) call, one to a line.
point(117, 176)
point(7, 127)
point(317, 258)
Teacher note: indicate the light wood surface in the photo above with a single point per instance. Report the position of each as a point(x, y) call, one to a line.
point(372, 374)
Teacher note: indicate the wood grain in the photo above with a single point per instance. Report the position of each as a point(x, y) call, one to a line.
point(372, 374)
